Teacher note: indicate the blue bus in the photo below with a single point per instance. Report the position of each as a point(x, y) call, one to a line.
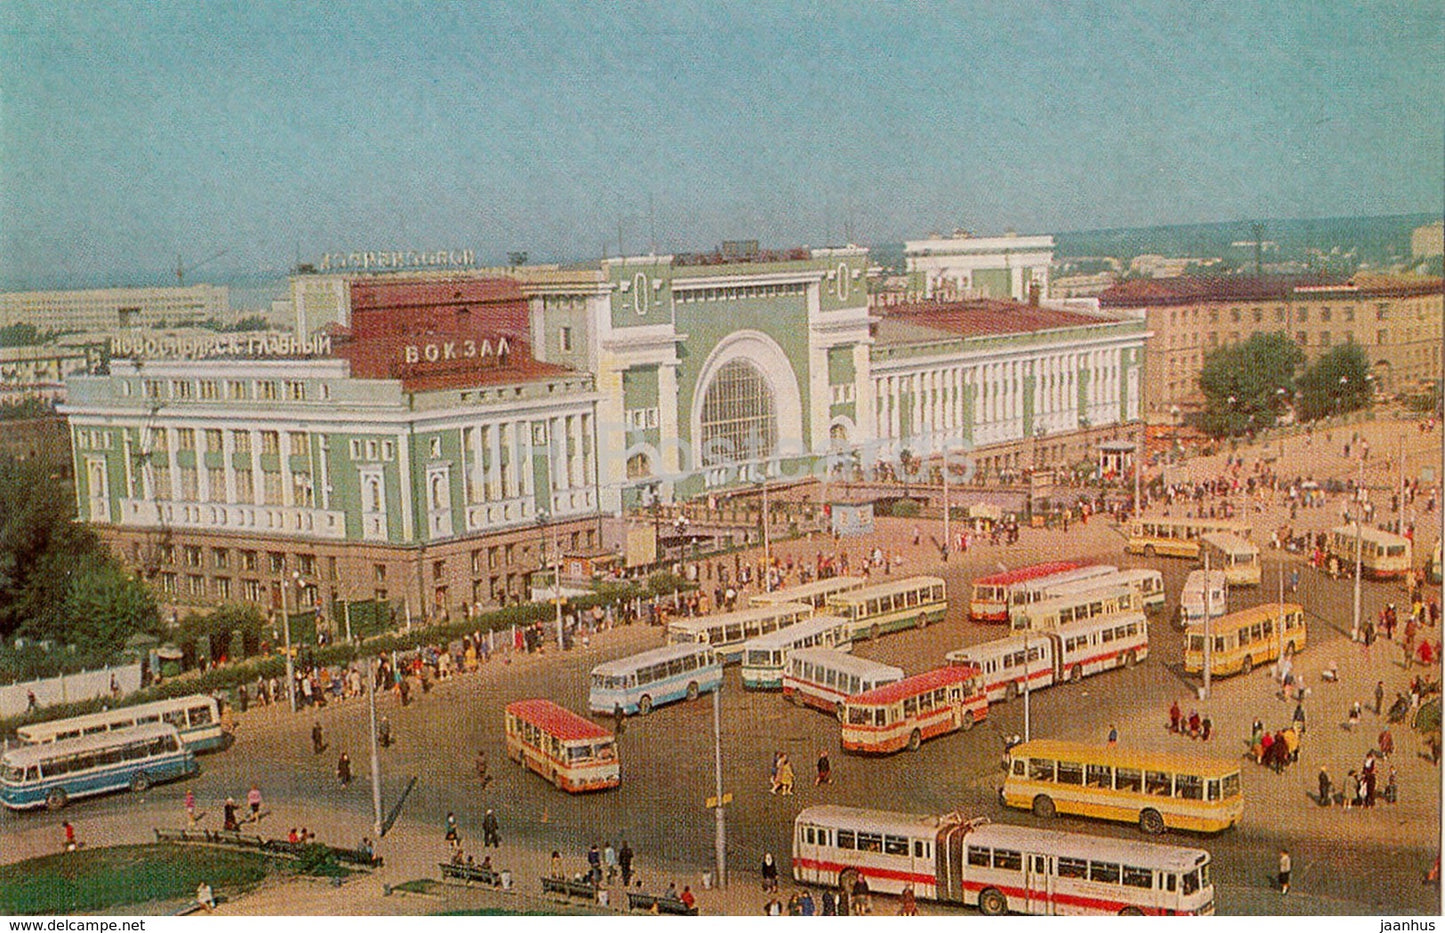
point(644, 681)
point(51, 775)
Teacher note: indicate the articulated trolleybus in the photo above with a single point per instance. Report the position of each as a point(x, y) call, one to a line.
point(575, 754)
point(997, 867)
point(765, 658)
point(903, 714)
point(990, 596)
point(1069, 652)
point(53, 774)
point(823, 678)
point(197, 718)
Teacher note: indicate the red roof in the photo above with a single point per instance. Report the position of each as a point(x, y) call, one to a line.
point(1032, 572)
point(369, 295)
point(918, 683)
point(1188, 289)
point(987, 316)
point(556, 720)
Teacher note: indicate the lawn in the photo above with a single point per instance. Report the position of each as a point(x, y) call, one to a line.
point(100, 879)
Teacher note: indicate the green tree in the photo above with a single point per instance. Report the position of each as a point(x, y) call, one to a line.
point(39, 544)
point(1337, 382)
point(1242, 382)
point(103, 606)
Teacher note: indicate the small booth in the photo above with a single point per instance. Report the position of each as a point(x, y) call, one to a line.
point(1116, 459)
point(851, 518)
point(587, 565)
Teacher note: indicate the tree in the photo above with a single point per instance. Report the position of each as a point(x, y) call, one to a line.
point(103, 606)
point(1242, 383)
point(1339, 381)
point(40, 543)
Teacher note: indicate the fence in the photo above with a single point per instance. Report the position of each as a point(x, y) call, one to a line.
point(69, 688)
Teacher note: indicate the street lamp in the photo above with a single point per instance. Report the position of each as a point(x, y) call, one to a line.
point(542, 518)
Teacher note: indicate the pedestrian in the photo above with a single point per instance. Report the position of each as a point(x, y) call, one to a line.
point(619, 720)
point(594, 864)
point(624, 862)
point(556, 864)
point(1355, 713)
point(774, 786)
point(1205, 727)
point(191, 805)
point(609, 859)
point(690, 899)
point(1392, 788)
point(770, 873)
point(1284, 867)
point(785, 777)
point(383, 732)
point(318, 742)
point(1174, 716)
point(482, 768)
point(491, 836)
point(453, 836)
point(343, 769)
point(205, 896)
point(1326, 794)
point(908, 902)
point(1113, 736)
point(253, 798)
point(1387, 744)
point(70, 844)
point(1379, 697)
point(830, 904)
point(1352, 790)
point(228, 818)
point(825, 770)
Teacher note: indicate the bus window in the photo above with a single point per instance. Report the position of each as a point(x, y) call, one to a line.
point(1129, 779)
point(200, 715)
point(1171, 881)
point(1020, 766)
point(1189, 883)
point(845, 839)
point(1189, 786)
point(920, 849)
point(978, 856)
point(1230, 786)
point(1041, 769)
point(895, 845)
point(1212, 789)
point(1071, 772)
point(1138, 877)
point(1107, 872)
point(1008, 860)
point(1157, 782)
point(870, 842)
point(1073, 868)
point(1099, 776)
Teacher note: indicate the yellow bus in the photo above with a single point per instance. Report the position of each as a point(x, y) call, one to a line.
point(1238, 558)
point(1177, 537)
point(1156, 790)
point(1246, 639)
point(1386, 555)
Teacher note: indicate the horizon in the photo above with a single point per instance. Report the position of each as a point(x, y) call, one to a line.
point(248, 138)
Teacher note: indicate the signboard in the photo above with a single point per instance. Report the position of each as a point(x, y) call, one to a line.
point(255, 345)
point(397, 259)
point(712, 803)
point(852, 518)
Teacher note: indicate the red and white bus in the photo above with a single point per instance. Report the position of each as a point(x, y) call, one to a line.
point(904, 714)
point(1069, 652)
point(824, 677)
point(997, 867)
point(989, 599)
point(573, 753)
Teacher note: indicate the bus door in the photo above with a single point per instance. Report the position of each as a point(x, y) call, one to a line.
point(948, 858)
point(1038, 885)
point(1054, 647)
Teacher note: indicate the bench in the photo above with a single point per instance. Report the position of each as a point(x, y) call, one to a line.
point(569, 888)
point(637, 900)
point(469, 873)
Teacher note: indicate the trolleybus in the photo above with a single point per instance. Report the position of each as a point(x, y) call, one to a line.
point(990, 596)
point(904, 714)
point(575, 754)
point(823, 678)
point(890, 607)
point(1386, 555)
point(1177, 537)
point(1194, 601)
point(1238, 558)
point(1156, 790)
point(1244, 640)
point(54, 773)
point(997, 867)
point(1076, 606)
point(765, 658)
point(814, 594)
point(639, 683)
point(197, 719)
point(727, 631)
point(1026, 594)
point(1069, 652)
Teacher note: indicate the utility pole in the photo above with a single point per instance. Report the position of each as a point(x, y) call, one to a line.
point(290, 661)
point(946, 538)
point(720, 838)
point(1359, 546)
point(557, 587)
point(1208, 626)
point(767, 535)
point(375, 759)
point(1026, 684)
point(1400, 512)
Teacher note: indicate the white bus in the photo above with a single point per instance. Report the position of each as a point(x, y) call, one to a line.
point(639, 683)
point(1385, 555)
point(1069, 652)
point(765, 658)
point(1236, 556)
point(197, 719)
point(1149, 583)
point(727, 631)
point(1026, 594)
point(814, 594)
point(997, 867)
point(1193, 600)
point(52, 774)
point(824, 678)
point(1077, 606)
point(889, 607)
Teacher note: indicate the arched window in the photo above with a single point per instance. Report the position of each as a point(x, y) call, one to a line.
point(638, 466)
point(739, 417)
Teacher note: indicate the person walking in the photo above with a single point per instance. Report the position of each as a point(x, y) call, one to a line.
point(1113, 739)
point(482, 768)
point(343, 769)
point(609, 860)
point(908, 902)
point(453, 836)
point(491, 836)
point(70, 844)
point(228, 817)
point(253, 799)
point(1379, 697)
point(318, 741)
point(1284, 869)
point(191, 806)
point(769, 872)
point(785, 777)
point(624, 863)
point(825, 770)
point(1326, 795)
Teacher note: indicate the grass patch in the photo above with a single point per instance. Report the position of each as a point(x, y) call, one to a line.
point(99, 879)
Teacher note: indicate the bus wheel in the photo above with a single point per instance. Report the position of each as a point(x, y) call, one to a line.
point(56, 799)
point(692, 691)
point(556, 780)
point(1044, 807)
point(1131, 912)
point(967, 722)
point(992, 903)
point(1076, 674)
point(1246, 665)
point(1149, 551)
point(1151, 822)
point(644, 705)
point(874, 632)
point(791, 697)
point(915, 739)
point(140, 782)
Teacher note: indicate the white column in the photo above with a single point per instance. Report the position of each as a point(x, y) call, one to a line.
point(667, 416)
point(528, 484)
point(494, 456)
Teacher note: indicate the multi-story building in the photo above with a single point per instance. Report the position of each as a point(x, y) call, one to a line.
point(964, 266)
point(1396, 320)
point(104, 310)
point(39, 372)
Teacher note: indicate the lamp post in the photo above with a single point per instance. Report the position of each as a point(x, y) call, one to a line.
point(1208, 626)
point(1359, 546)
point(375, 758)
point(286, 628)
point(946, 538)
point(720, 838)
point(542, 520)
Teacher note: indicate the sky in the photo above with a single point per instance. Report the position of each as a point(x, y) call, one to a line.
point(265, 132)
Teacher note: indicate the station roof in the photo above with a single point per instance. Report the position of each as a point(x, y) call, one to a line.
point(931, 320)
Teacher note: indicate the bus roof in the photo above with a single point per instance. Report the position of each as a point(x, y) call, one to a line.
point(1100, 590)
point(1221, 524)
point(741, 615)
point(828, 585)
point(1196, 580)
point(791, 633)
point(1125, 757)
point(1020, 574)
point(1018, 640)
point(881, 820)
point(1248, 616)
point(910, 686)
point(557, 720)
point(892, 586)
point(29, 754)
point(1229, 542)
point(633, 661)
point(1369, 533)
point(119, 712)
point(845, 663)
